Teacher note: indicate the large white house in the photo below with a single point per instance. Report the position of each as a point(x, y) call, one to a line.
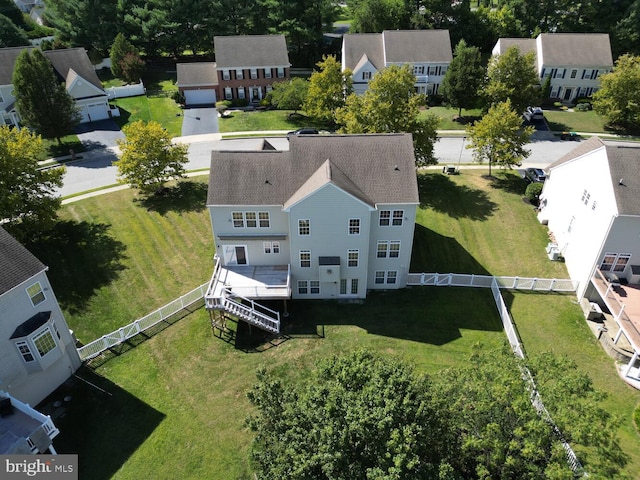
point(73, 68)
point(573, 61)
point(427, 51)
point(330, 218)
point(591, 203)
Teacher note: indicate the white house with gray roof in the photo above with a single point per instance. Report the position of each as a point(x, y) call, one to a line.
point(37, 351)
point(573, 61)
point(427, 51)
point(73, 68)
point(591, 203)
point(331, 218)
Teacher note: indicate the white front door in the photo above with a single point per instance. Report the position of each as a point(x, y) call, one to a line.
point(235, 255)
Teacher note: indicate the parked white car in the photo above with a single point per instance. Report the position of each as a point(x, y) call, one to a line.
point(534, 114)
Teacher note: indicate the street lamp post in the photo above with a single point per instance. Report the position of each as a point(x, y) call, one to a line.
point(460, 156)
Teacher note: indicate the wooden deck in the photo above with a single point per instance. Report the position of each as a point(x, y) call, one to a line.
point(255, 282)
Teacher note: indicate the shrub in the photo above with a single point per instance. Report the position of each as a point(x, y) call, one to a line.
point(557, 104)
point(583, 107)
point(223, 103)
point(241, 102)
point(178, 97)
point(533, 192)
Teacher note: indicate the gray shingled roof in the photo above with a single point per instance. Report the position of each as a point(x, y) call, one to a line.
point(381, 167)
point(197, 73)
point(579, 49)
point(62, 60)
point(624, 164)
point(525, 45)
point(415, 46)
point(251, 51)
point(17, 264)
point(356, 45)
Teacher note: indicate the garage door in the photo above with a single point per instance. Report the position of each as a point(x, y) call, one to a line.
point(97, 111)
point(200, 97)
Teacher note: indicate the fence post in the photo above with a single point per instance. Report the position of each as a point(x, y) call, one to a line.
point(473, 279)
point(449, 281)
point(422, 277)
point(553, 283)
point(533, 285)
point(515, 282)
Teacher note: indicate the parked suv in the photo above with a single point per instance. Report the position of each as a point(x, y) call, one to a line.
point(534, 114)
point(304, 131)
point(535, 175)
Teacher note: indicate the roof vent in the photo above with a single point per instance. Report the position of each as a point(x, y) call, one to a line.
point(621, 181)
point(396, 168)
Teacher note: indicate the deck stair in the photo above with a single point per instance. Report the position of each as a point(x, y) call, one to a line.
point(222, 298)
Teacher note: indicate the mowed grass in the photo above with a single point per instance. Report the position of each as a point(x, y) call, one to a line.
point(266, 120)
point(449, 117)
point(158, 109)
point(562, 121)
point(118, 257)
point(178, 399)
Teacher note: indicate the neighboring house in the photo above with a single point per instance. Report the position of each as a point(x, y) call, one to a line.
point(37, 351)
point(73, 68)
point(245, 69)
point(427, 51)
point(573, 61)
point(591, 203)
point(332, 217)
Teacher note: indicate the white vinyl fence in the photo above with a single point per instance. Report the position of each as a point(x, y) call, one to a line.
point(112, 339)
point(486, 281)
point(126, 91)
point(536, 399)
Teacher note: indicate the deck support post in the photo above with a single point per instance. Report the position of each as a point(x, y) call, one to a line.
point(631, 363)
point(285, 314)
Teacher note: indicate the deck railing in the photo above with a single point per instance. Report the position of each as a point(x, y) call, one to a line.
point(486, 281)
point(45, 421)
point(112, 339)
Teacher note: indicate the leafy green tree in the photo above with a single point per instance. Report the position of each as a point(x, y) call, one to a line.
point(132, 67)
point(373, 16)
point(499, 137)
point(85, 23)
point(364, 416)
point(43, 103)
point(390, 105)
point(463, 78)
point(119, 50)
point(358, 417)
point(149, 159)
point(28, 203)
point(290, 94)
point(10, 34)
point(513, 76)
point(328, 89)
point(619, 96)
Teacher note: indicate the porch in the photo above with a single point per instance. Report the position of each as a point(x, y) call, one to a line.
point(622, 320)
point(24, 430)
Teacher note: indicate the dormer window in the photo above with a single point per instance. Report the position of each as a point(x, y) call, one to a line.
point(366, 75)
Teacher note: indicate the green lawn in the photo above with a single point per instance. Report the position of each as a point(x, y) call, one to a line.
point(178, 400)
point(560, 121)
point(266, 120)
point(55, 149)
point(447, 116)
point(159, 109)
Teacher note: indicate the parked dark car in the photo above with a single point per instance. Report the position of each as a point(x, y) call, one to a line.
point(535, 175)
point(304, 131)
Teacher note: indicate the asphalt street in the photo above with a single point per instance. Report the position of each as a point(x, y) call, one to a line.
point(95, 169)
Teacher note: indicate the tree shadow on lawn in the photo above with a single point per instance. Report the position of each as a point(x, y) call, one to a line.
point(82, 257)
point(439, 192)
point(558, 126)
point(508, 181)
point(123, 119)
point(104, 428)
point(186, 196)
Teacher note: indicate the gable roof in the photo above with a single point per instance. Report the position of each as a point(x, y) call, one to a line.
point(17, 264)
point(417, 46)
point(579, 49)
point(197, 73)
point(376, 168)
point(624, 164)
point(251, 51)
point(355, 46)
point(62, 60)
point(396, 46)
point(525, 45)
point(328, 173)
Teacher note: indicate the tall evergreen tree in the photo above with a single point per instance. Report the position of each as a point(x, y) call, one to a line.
point(43, 103)
point(119, 50)
point(10, 34)
point(463, 78)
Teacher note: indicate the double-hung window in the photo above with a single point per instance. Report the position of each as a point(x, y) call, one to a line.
point(354, 226)
point(303, 287)
point(353, 257)
point(280, 72)
point(264, 219)
point(391, 217)
point(267, 73)
point(36, 294)
point(271, 247)
point(254, 73)
point(366, 75)
point(239, 74)
point(304, 226)
point(305, 258)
